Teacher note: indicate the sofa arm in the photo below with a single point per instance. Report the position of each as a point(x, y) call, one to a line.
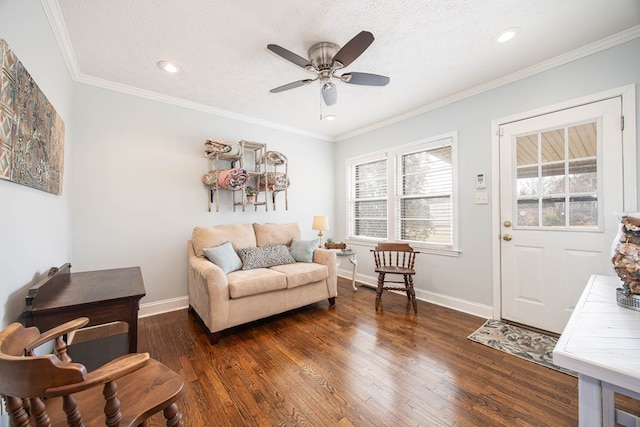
point(208, 291)
point(328, 258)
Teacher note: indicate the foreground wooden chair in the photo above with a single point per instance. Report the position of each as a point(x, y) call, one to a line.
point(395, 258)
point(50, 390)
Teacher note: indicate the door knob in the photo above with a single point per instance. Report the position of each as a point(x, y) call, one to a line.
point(507, 223)
point(507, 237)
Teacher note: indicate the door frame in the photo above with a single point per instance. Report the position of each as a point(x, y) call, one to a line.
point(628, 95)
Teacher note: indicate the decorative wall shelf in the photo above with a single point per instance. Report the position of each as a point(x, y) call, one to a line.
point(237, 166)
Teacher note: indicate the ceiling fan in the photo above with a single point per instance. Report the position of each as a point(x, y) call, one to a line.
point(325, 60)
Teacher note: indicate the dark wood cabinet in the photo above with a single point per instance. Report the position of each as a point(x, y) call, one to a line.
point(104, 296)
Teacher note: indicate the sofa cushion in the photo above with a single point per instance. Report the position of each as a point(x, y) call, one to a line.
point(302, 273)
point(302, 250)
point(244, 283)
point(224, 256)
point(266, 256)
point(271, 234)
point(240, 236)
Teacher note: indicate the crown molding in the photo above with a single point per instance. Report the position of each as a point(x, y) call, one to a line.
point(590, 49)
point(155, 96)
point(56, 20)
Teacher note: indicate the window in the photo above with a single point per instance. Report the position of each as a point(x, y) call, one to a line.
point(557, 178)
point(405, 194)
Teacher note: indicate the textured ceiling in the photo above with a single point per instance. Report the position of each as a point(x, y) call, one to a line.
point(433, 50)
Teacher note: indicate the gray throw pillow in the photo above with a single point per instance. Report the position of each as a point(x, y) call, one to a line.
point(265, 256)
point(302, 250)
point(224, 257)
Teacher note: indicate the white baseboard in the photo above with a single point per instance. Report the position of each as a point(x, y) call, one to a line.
point(164, 306)
point(480, 310)
point(458, 304)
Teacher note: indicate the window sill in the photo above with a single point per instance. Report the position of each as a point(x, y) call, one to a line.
point(416, 246)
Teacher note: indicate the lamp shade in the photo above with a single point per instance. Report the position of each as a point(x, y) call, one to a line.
point(320, 223)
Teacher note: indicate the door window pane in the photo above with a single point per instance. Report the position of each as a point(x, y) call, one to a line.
point(582, 141)
point(583, 211)
point(553, 145)
point(528, 212)
point(553, 179)
point(583, 177)
point(527, 149)
point(553, 212)
point(528, 181)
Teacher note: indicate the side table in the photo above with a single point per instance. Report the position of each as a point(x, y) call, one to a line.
point(351, 254)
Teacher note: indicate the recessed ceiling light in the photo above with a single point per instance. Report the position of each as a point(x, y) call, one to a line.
point(329, 117)
point(506, 35)
point(169, 66)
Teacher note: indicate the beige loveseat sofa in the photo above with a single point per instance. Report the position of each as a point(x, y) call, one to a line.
point(257, 290)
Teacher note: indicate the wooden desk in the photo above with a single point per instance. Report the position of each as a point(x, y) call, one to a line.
point(602, 343)
point(103, 296)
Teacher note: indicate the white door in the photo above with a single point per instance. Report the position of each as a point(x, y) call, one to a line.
point(561, 180)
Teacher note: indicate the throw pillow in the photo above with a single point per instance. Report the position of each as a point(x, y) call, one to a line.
point(224, 257)
point(265, 256)
point(302, 250)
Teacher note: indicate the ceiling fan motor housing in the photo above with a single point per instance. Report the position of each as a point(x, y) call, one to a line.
point(321, 55)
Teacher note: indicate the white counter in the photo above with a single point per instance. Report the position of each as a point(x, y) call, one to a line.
point(601, 343)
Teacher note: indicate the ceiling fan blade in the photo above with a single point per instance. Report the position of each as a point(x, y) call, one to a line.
point(290, 56)
point(353, 49)
point(329, 93)
point(365, 79)
point(291, 85)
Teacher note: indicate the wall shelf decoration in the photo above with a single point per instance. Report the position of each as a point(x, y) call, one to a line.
point(238, 166)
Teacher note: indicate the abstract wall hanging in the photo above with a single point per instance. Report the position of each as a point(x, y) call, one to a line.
point(31, 131)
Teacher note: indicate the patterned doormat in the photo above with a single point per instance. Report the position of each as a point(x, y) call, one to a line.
point(528, 345)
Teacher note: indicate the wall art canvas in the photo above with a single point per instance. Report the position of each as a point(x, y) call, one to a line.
point(31, 131)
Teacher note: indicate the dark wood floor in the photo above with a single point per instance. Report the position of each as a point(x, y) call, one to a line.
point(346, 365)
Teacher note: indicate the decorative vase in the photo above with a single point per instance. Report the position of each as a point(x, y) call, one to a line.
point(626, 252)
point(250, 199)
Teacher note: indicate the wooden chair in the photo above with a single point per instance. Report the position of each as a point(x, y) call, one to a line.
point(395, 258)
point(50, 390)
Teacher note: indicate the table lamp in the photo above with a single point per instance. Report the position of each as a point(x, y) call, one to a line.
point(320, 223)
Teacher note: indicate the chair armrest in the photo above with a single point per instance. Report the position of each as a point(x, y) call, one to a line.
point(110, 371)
point(53, 333)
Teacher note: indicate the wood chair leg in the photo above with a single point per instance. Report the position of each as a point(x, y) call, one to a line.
point(172, 415)
point(379, 289)
point(413, 295)
point(39, 412)
point(406, 286)
point(112, 405)
point(17, 414)
point(332, 301)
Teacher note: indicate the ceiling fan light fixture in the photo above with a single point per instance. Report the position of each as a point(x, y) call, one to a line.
point(169, 67)
point(506, 35)
point(325, 58)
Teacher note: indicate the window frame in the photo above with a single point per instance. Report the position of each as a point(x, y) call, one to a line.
point(393, 157)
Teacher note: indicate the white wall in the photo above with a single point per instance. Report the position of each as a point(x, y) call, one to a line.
point(466, 281)
point(138, 165)
point(35, 227)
